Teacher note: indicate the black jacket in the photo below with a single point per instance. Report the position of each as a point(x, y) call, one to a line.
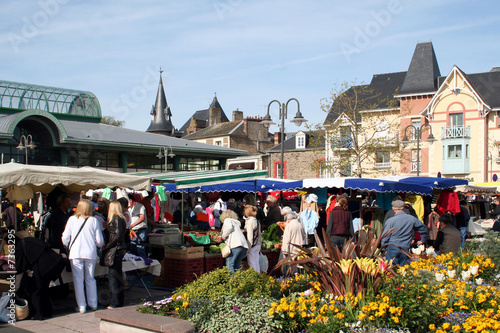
point(116, 230)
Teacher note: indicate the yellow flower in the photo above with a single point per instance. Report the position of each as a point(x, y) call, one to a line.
point(291, 314)
point(185, 304)
point(340, 315)
point(395, 319)
point(446, 326)
point(432, 327)
point(361, 316)
point(303, 314)
point(456, 328)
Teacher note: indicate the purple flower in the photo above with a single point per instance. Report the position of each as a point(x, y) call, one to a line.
point(236, 309)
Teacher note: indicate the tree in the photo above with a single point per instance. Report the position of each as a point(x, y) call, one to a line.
point(111, 120)
point(361, 128)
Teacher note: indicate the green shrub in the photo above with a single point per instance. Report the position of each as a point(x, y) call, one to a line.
point(222, 281)
point(490, 248)
point(231, 313)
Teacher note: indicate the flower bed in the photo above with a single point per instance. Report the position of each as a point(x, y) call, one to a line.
point(447, 293)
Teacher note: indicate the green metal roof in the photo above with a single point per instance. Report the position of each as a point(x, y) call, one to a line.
point(24, 96)
point(201, 178)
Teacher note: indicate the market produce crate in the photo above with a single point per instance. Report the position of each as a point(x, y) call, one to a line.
point(178, 272)
point(185, 253)
point(165, 239)
point(213, 261)
point(187, 265)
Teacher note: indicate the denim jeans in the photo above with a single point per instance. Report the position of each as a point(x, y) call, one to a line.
point(135, 247)
point(395, 253)
point(233, 262)
point(463, 230)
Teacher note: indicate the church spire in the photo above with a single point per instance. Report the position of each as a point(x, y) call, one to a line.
point(161, 122)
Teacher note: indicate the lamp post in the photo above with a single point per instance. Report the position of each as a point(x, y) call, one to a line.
point(418, 134)
point(298, 120)
point(490, 158)
point(165, 154)
point(26, 142)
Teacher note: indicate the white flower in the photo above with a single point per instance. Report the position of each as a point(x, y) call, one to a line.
point(452, 274)
point(430, 251)
point(421, 248)
point(308, 292)
point(417, 251)
point(439, 277)
point(442, 290)
point(474, 270)
point(479, 281)
point(466, 275)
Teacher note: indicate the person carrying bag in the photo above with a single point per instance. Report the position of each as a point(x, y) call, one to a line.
point(236, 242)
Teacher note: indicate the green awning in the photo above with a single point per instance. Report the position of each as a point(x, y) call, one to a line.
point(189, 179)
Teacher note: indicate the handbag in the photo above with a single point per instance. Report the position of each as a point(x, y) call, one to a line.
point(263, 262)
point(226, 251)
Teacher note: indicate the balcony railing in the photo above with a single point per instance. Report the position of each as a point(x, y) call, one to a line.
point(414, 166)
point(453, 132)
point(382, 165)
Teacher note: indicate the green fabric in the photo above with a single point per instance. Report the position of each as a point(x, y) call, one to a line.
point(202, 240)
point(106, 193)
point(160, 189)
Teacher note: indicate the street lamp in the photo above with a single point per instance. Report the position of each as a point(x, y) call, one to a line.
point(165, 154)
point(418, 134)
point(28, 143)
point(490, 158)
point(297, 120)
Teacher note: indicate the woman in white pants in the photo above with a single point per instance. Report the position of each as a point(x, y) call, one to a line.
point(82, 236)
point(254, 237)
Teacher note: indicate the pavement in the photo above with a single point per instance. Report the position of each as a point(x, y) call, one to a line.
point(65, 318)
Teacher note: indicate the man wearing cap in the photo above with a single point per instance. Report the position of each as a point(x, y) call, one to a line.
point(403, 227)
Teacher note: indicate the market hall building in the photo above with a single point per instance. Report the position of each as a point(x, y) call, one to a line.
point(52, 126)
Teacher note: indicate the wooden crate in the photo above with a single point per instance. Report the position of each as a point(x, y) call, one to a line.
point(187, 253)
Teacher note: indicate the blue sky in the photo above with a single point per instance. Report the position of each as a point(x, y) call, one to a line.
point(248, 52)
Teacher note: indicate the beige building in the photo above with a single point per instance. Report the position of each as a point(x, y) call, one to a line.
point(460, 110)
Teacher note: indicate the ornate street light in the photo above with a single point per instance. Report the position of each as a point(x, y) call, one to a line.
point(165, 154)
point(297, 120)
point(26, 142)
point(418, 134)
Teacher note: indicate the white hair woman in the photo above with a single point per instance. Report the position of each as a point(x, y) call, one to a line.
point(237, 242)
point(82, 236)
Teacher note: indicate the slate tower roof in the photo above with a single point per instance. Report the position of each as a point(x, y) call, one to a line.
point(161, 117)
point(423, 72)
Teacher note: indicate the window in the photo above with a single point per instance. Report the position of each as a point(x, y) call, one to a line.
point(382, 159)
point(456, 119)
point(218, 142)
point(300, 141)
point(344, 140)
point(455, 151)
point(414, 131)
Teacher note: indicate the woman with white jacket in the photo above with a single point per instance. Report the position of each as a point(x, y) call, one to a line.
point(237, 242)
point(83, 236)
point(254, 236)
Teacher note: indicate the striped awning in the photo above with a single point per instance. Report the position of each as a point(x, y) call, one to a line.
point(187, 179)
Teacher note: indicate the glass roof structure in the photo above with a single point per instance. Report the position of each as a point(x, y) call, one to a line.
point(23, 96)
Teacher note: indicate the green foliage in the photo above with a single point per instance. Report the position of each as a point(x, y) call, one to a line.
point(271, 234)
point(231, 313)
point(490, 248)
point(111, 120)
point(221, 281)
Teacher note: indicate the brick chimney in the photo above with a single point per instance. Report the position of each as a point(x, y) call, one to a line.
point(277, 138)
point(237, 115)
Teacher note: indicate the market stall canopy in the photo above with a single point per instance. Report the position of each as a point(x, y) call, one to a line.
point(477, 189)
point(367, 184)
point(259, 185)
point(190, 179)
point(22, 180)
point(496, 185)
point(433, 182)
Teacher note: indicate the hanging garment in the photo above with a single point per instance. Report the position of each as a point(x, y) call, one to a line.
point(310, 220)
point(448, 201)
point(418, 205)
point(384, 200)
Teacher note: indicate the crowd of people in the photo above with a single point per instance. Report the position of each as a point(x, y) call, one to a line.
point(97, 225)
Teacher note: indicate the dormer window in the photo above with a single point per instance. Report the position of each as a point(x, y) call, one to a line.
point(300, 141)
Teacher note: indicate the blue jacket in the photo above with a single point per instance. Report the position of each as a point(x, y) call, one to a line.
point(309, 220)
point(404, 225)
